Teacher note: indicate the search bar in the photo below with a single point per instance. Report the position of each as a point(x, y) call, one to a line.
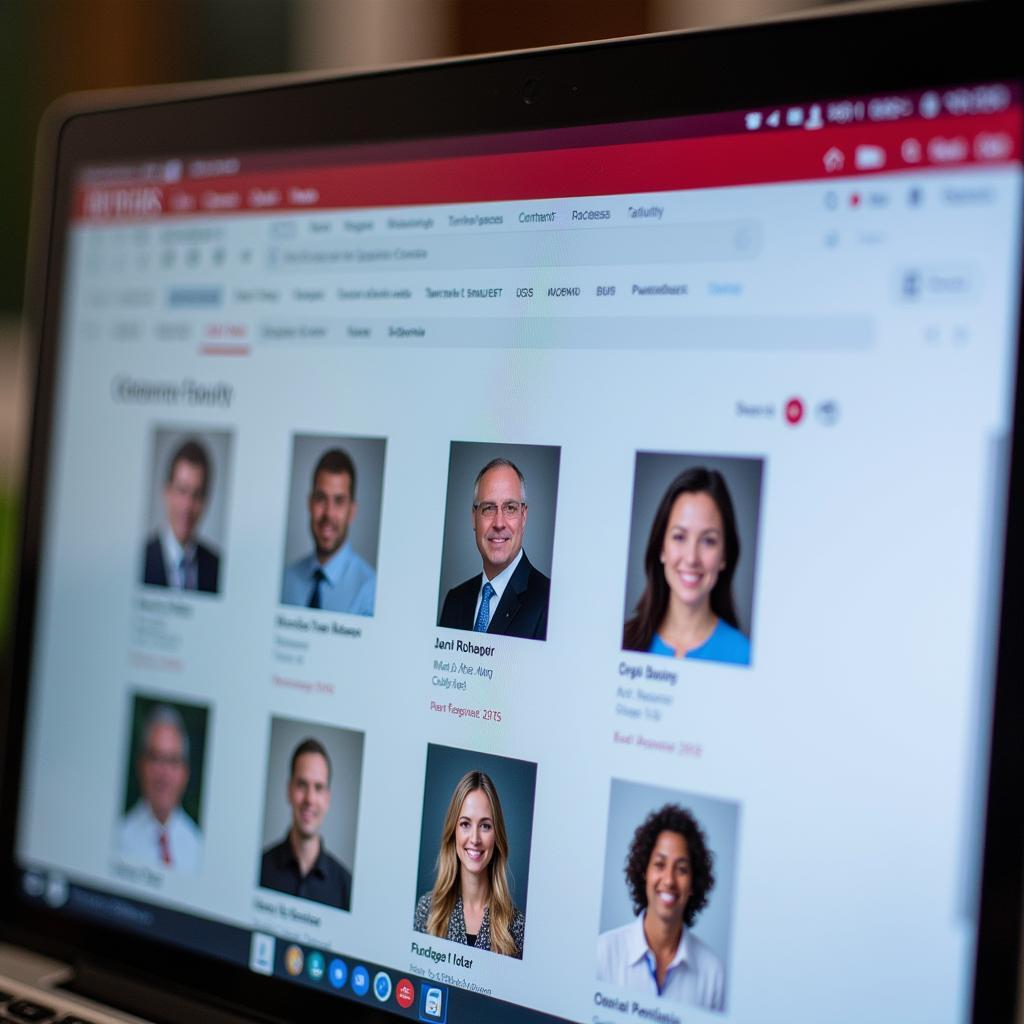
point(711, 242)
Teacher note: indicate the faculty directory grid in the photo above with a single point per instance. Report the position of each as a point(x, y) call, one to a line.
point(627, 505)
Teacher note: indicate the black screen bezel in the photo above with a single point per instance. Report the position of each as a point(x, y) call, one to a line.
point(654, 77)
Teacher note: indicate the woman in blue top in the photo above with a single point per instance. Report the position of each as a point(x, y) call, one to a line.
point(687, 609)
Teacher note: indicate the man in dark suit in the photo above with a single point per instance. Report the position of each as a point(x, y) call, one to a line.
point(510, 596)
point(174, 556)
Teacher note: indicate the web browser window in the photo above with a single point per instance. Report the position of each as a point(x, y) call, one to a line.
point(548, 576)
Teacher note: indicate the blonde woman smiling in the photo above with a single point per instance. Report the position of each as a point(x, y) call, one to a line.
point(471, 901)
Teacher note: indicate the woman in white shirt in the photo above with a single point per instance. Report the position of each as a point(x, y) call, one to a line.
point(670, 873)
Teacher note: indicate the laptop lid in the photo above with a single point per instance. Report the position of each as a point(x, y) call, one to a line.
point(523, 538)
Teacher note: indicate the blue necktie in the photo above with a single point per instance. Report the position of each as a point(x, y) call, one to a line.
point(188, 576)
point(484, 615)
point(314, 598)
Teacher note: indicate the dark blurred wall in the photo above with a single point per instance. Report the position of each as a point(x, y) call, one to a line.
point(481, 27)
point(51, 47)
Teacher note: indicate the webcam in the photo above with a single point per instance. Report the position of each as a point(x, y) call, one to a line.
point(532, 90)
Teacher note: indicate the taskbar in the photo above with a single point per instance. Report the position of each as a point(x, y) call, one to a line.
point(333, 973)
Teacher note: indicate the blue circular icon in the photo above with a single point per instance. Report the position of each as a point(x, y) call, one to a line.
point(382, 986)
point(337, 973)
point(315, 966)
point(360, 980)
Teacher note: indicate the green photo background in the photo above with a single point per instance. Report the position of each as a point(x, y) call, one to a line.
point(195, 717)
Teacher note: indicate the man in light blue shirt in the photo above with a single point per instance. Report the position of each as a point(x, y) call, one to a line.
point(332, 577)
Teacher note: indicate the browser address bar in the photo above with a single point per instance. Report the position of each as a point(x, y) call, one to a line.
point(713, 241)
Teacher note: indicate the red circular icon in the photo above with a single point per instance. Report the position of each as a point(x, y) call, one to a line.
point(794, 411)
point(405, 994)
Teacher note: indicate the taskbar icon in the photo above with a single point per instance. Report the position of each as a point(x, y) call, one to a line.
point(433, 1003)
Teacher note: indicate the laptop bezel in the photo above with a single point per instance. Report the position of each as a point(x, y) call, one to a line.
point(606, 83)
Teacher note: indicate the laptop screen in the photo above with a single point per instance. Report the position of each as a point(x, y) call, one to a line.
point(499, 578)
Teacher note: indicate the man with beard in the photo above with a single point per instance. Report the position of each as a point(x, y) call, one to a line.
point(299, 865)
point(510, 596)
point(332, 577)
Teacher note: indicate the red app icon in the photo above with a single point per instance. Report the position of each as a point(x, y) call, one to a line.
point(405, 994)
point(794, 411)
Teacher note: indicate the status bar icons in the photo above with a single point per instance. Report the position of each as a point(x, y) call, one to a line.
point(405, 993)
point(382, 986)
point(261, 953)
point(294, 961)
point(814, 119)
point(360, 980)
point(792, 117)
point(337, 973)
point(315, 966)
point(433, 1003)
point(930, 105)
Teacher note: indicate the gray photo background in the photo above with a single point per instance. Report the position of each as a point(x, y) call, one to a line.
point(515, 782)
point(212, 529)
point(460, 558)
point(368, 455)
point(345, 749)
point(654, 472)
point(630, 804)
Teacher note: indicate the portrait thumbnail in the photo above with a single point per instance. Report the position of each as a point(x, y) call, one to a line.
point(333, 523)
point(474, 861)
point(161, 823)
point(692, 556)
point(499, 531)
point(667, 900)
point(311, 811)
point(186, 510)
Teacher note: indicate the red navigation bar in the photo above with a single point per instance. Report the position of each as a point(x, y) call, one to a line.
point(657, 166)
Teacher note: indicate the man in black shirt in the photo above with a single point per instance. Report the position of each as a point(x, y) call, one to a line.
point(299, 865)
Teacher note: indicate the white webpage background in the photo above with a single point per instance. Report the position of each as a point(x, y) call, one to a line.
point(850, 744)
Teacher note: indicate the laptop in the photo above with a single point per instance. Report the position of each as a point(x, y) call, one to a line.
point(527, 538)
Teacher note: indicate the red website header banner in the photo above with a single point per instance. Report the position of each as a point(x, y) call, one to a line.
point(658, 166)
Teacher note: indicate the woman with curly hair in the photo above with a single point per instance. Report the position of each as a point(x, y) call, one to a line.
point(687, 608)
point(669, 872)
point(471, 901)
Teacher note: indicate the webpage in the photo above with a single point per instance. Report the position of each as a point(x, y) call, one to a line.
point(579, 596)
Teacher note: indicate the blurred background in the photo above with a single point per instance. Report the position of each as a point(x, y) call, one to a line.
point(51, 47)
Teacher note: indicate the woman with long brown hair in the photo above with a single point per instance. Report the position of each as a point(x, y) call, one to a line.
point(687, 608)
point(471, 901)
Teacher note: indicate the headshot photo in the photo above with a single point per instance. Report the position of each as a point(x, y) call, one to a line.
point(334, 503)
point(314, 775)
point(475, 849)
point(161, 824)
point(501, 504)
point(186, 510)
point(692, 554)
point(666, 908)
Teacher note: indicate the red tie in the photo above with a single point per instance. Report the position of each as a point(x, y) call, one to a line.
point(165, 849)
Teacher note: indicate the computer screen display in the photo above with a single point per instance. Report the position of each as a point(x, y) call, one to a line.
point(502, 578)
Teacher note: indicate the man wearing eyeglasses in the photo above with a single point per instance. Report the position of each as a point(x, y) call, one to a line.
point(156, 832)
point(510, 596)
